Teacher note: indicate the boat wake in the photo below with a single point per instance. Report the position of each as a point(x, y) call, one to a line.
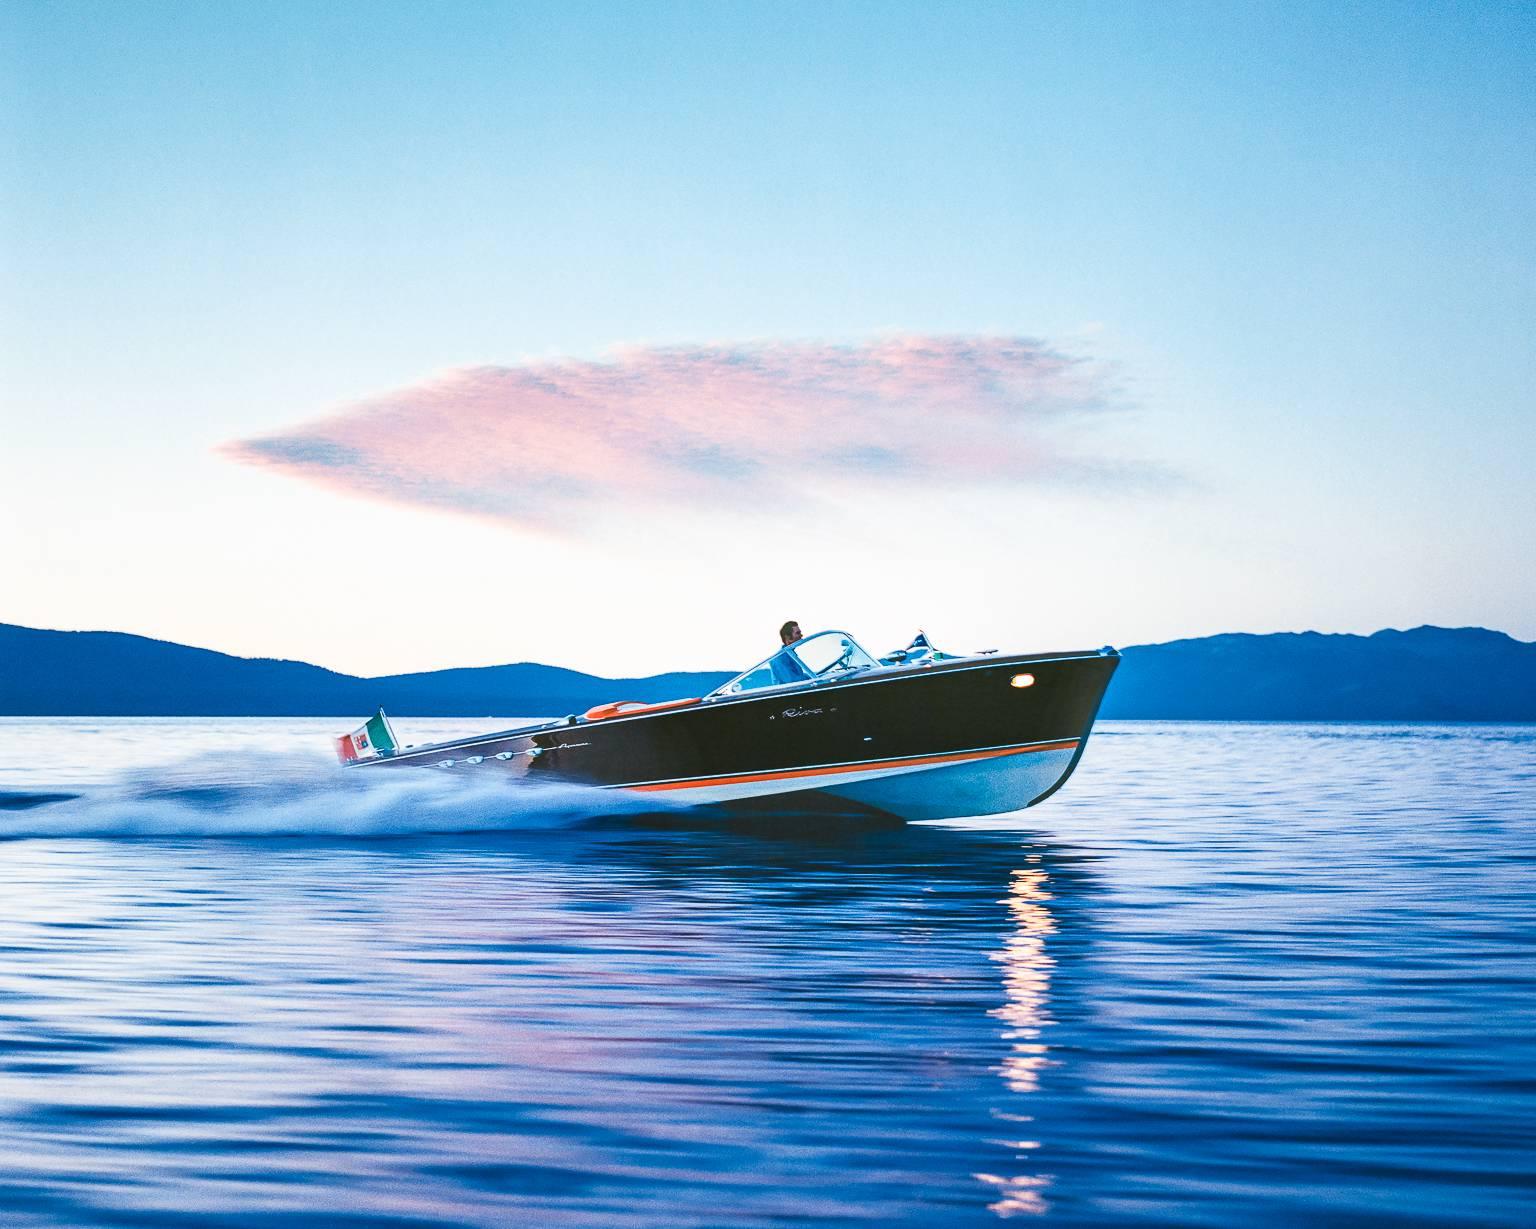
point(279, 796)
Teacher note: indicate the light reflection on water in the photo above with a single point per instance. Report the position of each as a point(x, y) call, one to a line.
point(1026, 983)
point(1230, 975)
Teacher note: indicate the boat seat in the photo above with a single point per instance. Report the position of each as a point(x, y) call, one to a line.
point(628, 708)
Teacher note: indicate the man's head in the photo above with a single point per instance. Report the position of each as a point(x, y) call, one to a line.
point(790, 632)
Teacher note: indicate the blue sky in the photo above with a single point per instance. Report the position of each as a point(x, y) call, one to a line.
point(1296, 242)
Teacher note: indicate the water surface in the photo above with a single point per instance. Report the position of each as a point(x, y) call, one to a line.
point(1231, 974)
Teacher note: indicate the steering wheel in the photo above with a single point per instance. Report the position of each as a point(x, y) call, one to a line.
point(841, 661)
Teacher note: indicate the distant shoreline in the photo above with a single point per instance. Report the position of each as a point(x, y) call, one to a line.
point(1425, 675)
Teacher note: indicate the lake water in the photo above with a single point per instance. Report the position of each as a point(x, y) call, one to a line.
point(1229, 975)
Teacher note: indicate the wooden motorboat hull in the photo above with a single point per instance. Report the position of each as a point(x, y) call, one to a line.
point(971, 736)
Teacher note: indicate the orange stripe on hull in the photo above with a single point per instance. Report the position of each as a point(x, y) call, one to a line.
point(916, 761)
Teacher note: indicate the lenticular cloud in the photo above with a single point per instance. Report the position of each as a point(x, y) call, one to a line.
point(554, 443)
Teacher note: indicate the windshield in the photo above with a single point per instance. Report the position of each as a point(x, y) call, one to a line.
point(824, 655)
point(830, 653)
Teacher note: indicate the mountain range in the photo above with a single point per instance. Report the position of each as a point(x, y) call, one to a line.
point(1423, 674)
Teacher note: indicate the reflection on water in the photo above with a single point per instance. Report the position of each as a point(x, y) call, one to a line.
point(1026, 978)
point(1026, 983)
point(1231, 975)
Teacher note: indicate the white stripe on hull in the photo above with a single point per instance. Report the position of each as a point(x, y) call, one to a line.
point(980, 787)
point(912, 791)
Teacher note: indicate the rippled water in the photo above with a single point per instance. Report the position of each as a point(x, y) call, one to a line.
point(1242, 974)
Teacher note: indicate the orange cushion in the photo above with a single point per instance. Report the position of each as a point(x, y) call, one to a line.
point(627, 708)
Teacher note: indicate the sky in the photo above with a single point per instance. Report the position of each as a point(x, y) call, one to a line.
point(402, 336)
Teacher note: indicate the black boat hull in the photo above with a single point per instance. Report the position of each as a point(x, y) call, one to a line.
point(975, 736)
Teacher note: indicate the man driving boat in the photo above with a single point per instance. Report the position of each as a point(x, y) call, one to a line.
point(786, 667)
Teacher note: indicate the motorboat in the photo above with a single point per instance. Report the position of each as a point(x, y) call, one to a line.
point(821, 724)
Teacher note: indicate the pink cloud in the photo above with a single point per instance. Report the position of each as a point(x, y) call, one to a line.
point(555, 442)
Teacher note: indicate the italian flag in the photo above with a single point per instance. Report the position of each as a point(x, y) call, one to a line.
point(375, 738)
